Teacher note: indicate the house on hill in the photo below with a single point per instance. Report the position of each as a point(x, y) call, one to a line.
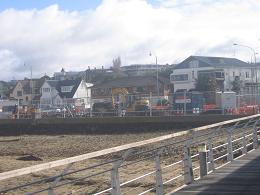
point(28, 90)
point(62, 92)
point(224, 70)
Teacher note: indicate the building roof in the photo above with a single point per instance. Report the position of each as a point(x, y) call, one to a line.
point(58, 84)
point(136, 81)
point(53, 83)
point(217, 62)
point(36, 84)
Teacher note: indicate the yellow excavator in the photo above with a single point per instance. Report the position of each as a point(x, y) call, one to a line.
point(119, 97)
point(122, 98)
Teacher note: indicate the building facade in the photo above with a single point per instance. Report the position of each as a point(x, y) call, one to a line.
point(225, 71)
point(27, 91)
point(141, 69)
point(57, 93)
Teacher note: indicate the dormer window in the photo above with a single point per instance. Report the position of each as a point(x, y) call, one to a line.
point(46, 90)
point(66, 89)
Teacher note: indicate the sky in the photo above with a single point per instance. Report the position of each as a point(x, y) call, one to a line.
point(48, 35)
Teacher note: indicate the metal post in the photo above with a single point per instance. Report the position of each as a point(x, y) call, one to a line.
point(244, 150)
point(50, 191)
point(188, 171)
point(229, 146)
point(185, 106)
point(157, 82)
point(159, 180)
point(203, 160)
point(255, 137)
point(91, 107)
point(229, 141)
point(18, 111)
point(211, 157)
point(150, 104)
point(115, 182)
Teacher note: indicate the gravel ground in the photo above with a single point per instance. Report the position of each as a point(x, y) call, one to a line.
point(49, 148)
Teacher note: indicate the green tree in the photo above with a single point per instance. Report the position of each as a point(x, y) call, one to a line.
point(236, 85)
point(206, 82)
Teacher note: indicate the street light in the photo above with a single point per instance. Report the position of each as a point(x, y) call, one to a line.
point(252, 49)
point(157, 84)
point(254, 53)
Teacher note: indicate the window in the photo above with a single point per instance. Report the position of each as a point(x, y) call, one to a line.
point(19, 93)
point(220, 75)
point(180, 77)
point(247, 75)
point(234, 74)
point(46, 90)
point(66, 89)
point(193, 75)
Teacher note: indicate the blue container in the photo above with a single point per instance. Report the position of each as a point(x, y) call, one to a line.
point(194, 102)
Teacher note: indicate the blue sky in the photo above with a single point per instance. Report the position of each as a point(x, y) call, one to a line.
point(39, 4)
point(63, 4)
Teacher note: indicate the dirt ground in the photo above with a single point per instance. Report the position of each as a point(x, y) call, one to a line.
point(49, 148)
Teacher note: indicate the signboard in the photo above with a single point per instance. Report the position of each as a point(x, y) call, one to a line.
point(182, 101)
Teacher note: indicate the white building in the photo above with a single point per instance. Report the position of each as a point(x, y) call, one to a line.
point(62, 92)
point(225, 70)
point(142, 69)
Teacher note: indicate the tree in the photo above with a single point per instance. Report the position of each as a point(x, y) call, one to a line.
point(236, 84)
point(206, 82)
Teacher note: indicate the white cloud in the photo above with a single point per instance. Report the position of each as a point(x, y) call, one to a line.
point(51, 38)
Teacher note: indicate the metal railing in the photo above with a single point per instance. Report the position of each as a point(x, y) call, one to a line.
point(158, 166)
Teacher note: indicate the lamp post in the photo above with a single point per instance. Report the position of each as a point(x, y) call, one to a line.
point(157, 84)
point(256, 75)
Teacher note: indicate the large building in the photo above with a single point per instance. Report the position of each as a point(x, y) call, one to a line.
point(225, 71)
point(142, 69)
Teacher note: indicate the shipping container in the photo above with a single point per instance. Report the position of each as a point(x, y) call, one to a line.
point(188, 102)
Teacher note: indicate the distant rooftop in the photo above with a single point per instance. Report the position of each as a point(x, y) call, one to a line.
point(213, 61)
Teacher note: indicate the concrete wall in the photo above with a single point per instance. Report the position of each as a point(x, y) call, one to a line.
point(55, 126)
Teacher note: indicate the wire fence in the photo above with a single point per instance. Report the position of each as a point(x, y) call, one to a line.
point(127, 105)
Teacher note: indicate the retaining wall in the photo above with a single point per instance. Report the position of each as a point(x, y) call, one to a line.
point(54, 126)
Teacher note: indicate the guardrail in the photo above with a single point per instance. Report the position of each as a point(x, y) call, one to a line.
point(159, 165)
point(124, 113)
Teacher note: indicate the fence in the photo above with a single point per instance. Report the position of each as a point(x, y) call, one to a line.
point(155, 166)
point(178, 103)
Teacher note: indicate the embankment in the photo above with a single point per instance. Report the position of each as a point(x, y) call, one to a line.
point(55, 126)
